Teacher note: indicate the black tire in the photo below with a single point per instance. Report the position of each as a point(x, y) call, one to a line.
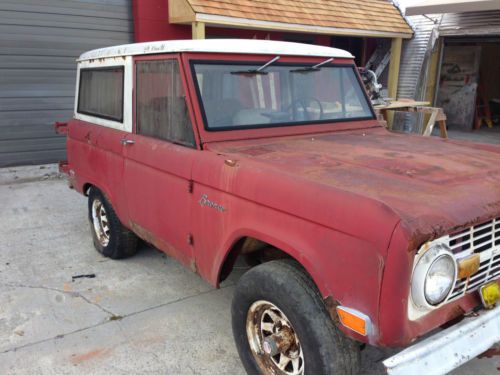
point(119, 242)
point(326, 350)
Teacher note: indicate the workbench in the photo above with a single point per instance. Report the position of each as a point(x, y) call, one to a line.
point(436, 114)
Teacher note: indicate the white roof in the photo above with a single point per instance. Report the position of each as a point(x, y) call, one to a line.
point(251, 46)
point(418, 7)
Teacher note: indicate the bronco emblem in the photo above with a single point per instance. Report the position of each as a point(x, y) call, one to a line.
point(204, 201)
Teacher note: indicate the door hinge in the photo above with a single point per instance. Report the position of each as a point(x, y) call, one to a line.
point(190, 186)
point(190, 239)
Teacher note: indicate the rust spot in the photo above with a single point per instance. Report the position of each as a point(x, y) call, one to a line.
point(250, 245)
point(230, 162)
point(257, 151)
point(162, 245)
point(192, 266)
point(490, 353)
point(468, 266)
point(455, 315)
point(331, 306)
point(79, 358)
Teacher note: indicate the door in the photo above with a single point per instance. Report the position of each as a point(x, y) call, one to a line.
point(103, 114)
point(459, 84)
point(158, 158)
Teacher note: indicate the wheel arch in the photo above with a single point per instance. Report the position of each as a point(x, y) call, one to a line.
point(119, 210)
point(251, 243)
point(86, 186)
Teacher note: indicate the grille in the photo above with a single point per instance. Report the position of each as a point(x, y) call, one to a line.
point(482, 239)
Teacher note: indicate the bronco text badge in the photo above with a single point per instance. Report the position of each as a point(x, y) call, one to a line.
point(204, 201)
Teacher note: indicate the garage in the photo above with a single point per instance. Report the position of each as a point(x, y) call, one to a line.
point(459, 52)
point(39, 42)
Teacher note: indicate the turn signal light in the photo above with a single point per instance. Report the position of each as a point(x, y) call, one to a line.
point(354, 320)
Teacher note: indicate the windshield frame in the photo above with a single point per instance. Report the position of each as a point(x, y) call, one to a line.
point(257, 63)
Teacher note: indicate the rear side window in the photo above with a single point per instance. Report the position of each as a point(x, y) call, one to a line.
point(101, 93)
point(161, 102)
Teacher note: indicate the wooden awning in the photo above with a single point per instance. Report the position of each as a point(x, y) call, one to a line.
point(374, 18)
point(451, 6)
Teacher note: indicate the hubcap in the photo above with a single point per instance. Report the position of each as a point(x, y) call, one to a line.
point(100, 222)
point(273, 341)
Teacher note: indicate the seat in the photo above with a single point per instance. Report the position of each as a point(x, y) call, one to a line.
point(250, 117)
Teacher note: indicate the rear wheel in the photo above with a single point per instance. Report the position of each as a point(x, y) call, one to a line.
point(281, 325)
point(110, 237)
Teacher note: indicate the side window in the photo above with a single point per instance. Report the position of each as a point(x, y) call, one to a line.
point(161, 108)
point(101, 93)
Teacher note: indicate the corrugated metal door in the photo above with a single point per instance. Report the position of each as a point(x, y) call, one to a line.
point(39, 42)
point(469, 24)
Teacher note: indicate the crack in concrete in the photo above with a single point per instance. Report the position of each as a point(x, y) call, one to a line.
point(71, 293)
point(60, 336)
point(16, 180)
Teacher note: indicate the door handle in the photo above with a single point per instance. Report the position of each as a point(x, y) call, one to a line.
point(126, 141)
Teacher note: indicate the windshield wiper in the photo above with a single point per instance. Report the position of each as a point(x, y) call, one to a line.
point(259, 70)
point(313, 68)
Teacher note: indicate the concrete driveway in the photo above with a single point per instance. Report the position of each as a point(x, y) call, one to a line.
point(144, 315)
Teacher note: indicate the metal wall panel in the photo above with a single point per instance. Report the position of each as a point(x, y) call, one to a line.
point(39, 42)
point(412, 74)
point(415, 51)
point(468, 24)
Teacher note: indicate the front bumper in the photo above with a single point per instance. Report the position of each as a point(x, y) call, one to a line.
point(449, 348)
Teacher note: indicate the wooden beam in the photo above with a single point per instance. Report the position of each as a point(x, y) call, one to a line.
point(198, 30)
point(392, 85)
point(251, 24)
point(432, 75)
point(179, 11)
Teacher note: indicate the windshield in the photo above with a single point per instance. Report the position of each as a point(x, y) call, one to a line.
point(235, 96)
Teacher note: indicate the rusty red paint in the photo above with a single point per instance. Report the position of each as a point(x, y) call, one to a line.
point(350, 201)
point(490, 353)
point(61, 127)
point(64, 166)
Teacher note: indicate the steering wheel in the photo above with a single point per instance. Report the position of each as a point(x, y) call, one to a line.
point(303, 103)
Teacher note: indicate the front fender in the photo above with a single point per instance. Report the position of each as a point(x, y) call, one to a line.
point(343, 267)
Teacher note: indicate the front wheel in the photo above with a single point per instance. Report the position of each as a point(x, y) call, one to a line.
point(281, 325)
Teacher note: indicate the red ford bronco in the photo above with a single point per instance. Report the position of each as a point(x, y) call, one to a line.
point(215, 149)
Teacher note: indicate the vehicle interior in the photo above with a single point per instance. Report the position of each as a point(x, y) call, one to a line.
point(236, 96)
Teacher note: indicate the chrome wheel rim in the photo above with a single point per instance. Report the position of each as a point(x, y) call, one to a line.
point(100, 222)
point(273, 340)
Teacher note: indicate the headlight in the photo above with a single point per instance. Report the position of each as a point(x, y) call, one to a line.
point(434, 276)
point(440, 279)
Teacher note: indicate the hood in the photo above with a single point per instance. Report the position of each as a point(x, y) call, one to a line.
point(435, 186)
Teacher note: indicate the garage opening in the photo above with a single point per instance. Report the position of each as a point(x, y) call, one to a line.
point(469, 87)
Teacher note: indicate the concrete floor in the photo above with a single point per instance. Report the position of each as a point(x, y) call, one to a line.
point(144, 315)
point(483, 135)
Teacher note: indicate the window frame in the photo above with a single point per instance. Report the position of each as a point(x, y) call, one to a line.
point(193, 62)
point(187, 95)
point(97, 115)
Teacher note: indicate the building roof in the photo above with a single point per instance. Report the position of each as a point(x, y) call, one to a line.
point(336, 17)
point(250, 46)
point(451, 6)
